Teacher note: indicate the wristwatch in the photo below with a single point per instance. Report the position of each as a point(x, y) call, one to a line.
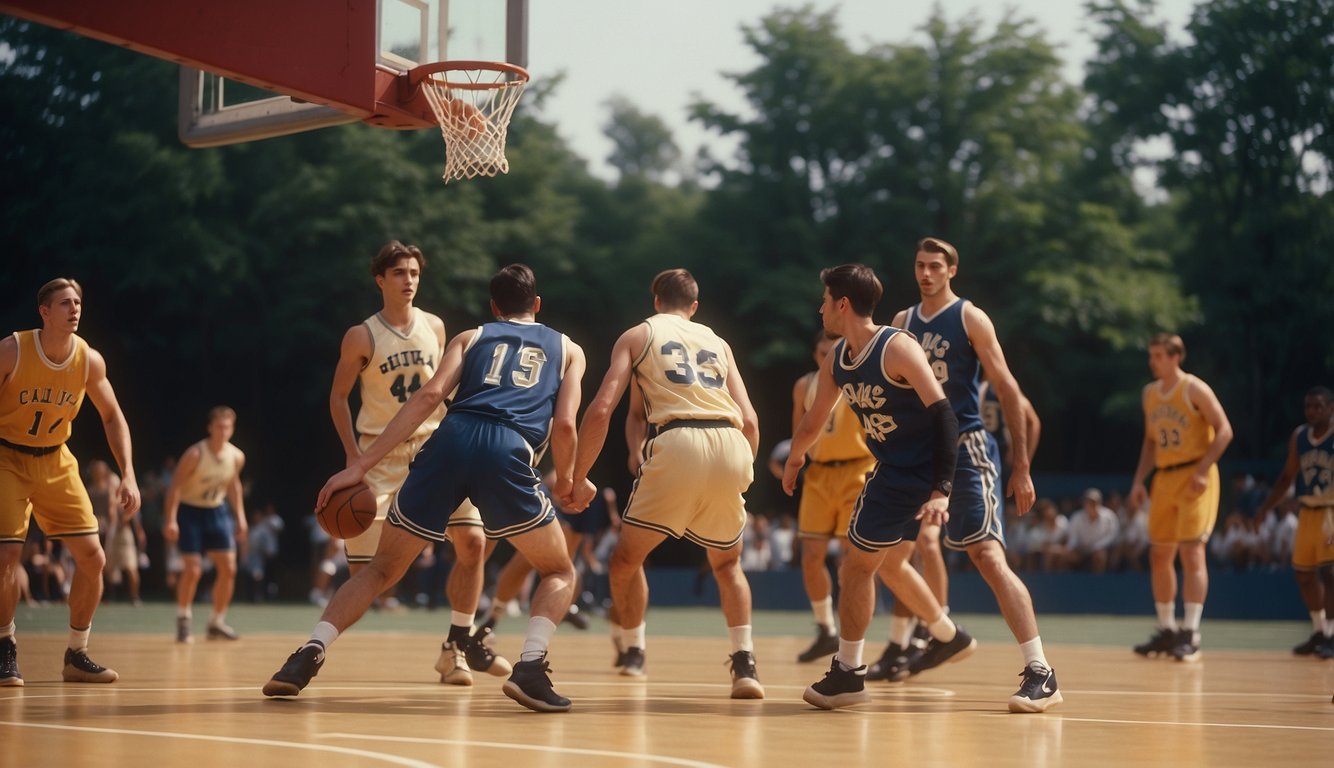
point(944, 486)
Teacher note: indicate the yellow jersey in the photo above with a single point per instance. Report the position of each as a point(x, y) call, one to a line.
point(41, 398)
point(682, 373)
point(1178, 429)
point(400, 363)
point(207, 486)
point(842, 437)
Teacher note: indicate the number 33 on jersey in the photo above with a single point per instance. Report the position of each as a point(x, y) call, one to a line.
point(683, 372)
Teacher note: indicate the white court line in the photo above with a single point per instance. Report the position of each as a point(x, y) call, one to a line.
point(531, 748)
point(234, 740)
point(1197, 725)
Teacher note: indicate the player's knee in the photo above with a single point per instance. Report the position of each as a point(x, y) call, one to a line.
point(470, 547)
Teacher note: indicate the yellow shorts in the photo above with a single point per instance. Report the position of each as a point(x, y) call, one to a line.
point(690, 485)
point(384, 480)
point(1174, 515)
point(1312, 548)
point(47, 488)
point(828, 494)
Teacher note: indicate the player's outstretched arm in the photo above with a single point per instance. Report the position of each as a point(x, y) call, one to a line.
point(593, 429)
point(1148, 451)
point(736, 387)
point(636, 431)
point(1284, 481)
point(236, 499)
point(185, 468)
point(982, 335)
point(115, 427)
point(903, 360)
point(812, 421)
point(353, 355)
point(1204, 399)
point(565, 433)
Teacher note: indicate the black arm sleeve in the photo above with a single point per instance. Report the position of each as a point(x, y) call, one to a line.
point(945, 431)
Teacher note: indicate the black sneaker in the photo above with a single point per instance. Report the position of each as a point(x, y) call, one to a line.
point(1326, 651)
point(221, 631)
point(183, 630)
point(530, 685)
point(892, 665)
point(937, 653)
point(81, 669)
point(1038, 692)
point(1161, 644)
point(9, 663)
point(1312, 645)
point(826, 642)
point(481, 658)
point(487, 626)
point(632, 662)
point(297, 671)
point(745, 681)
point(575, 617)
point(1187, 646)
point(839, 688)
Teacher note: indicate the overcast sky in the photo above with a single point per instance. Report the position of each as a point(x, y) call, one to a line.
point(661, 55)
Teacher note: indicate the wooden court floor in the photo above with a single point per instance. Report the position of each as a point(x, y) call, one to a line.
point(377, 702)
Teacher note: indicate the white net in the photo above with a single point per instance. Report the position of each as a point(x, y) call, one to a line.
point(473, 106)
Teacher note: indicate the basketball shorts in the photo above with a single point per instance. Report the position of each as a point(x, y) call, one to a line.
point(828, 493)
point(1311, 548)
point(1175, 515)
point(46, 487)
point(886, 512)
point(205, 529)
point(470, 457)
point(384, 480)
point(976, 511)
point(691, 484)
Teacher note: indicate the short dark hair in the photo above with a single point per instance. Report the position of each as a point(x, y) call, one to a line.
point(393, 252)
point(1171, 344)
point(675, 289)
point(1321, 392)
point(221, 412)
point(936, 245)
point(855, 282)
point(514, 289)
point(45, 293)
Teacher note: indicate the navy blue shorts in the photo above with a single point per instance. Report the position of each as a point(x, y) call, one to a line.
point(886, 512)
point(205, 530)
point(470, 457)
point(976, 511)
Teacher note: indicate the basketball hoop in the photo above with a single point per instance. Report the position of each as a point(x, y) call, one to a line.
point(473, 102)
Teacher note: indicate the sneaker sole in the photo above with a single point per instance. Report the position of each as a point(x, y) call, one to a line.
point(954, 658)
point(280, 688)
point(456, 677)
point(1029, 706)
point(1188, 658)
point(512, 690)
point(747, 688)
point(632, 671)
point(224, 637)
point(11, 682)
point(817, 699)
point(78, 676)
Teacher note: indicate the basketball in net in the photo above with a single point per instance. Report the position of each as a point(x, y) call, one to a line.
point(473, 102)
point(349, 512)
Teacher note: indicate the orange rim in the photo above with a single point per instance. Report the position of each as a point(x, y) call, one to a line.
point(417, 74)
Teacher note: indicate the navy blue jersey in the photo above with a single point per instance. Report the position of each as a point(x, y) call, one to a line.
point(1315, 467)
point(898, 430)
point(512, 373)
point(952, 358)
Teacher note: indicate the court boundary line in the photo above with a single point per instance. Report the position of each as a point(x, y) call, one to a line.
point(1176, 723)
point(682, 761)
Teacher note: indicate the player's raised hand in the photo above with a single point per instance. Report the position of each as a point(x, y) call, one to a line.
point(345, 479)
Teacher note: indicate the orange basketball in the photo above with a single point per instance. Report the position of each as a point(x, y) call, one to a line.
point(349, 513)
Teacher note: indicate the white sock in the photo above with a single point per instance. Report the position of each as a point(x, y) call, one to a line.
point(1191, 618)
point(633, 637)
point(942, 629)
point(1329, 627)
point(78, 638)
point(460, 619)
point(184, 613)
point(1167, 618)
point(1032, 651)
point(215, 619)
point(740, 637)
point(8, 630)
point(901, 629)
point(850, 652)
point(324, 633)
point(617, 640)
point(824, 613)
point(1318, 620)
point(540, 630)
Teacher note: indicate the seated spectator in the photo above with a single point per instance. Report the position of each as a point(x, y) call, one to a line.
point(1276, 533)
point(1238, 545)
point(782, 540)
point(1132, 541)
point(1046, 539)
point(1090, 536)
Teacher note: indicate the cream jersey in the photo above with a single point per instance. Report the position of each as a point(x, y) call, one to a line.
point(842, 437)
point(682, 373)
point(206, 487)
point(1178, 429)
point(399, 364)
point(41, 398)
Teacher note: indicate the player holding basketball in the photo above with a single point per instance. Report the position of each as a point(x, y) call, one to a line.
point(839, 463)
point(696, 466)
point(911, 431)
point(1310, 465)
point(1185, 433)
point(389, 356)
point(517, 389)
point(204, 513)
point(44, 375)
